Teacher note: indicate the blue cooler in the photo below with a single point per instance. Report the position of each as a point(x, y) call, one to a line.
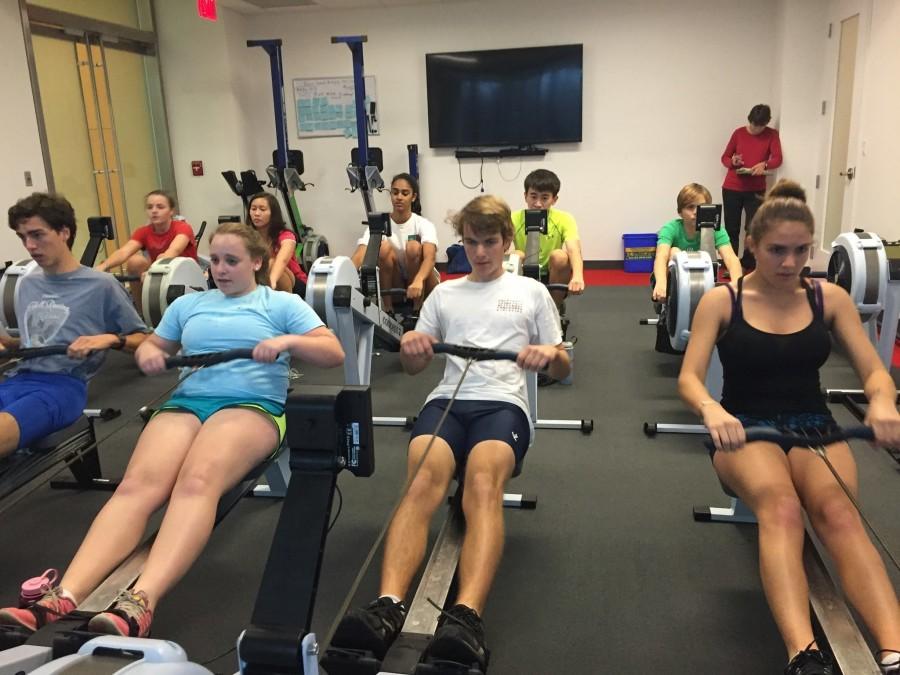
point(640, 250)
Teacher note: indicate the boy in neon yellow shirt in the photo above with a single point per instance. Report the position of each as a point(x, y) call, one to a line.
point(560, 254)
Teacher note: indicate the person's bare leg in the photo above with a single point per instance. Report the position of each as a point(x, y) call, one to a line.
point(560, 272)
point(388, 269)
point(414, 260)
point(148, 481)
point(836, 521)
point(9, 434)
point(488, 467)
point(407, 535)
point(285, 281)
point(759, 473)
point(358, 255)
point(137, 265)
point(229, 445)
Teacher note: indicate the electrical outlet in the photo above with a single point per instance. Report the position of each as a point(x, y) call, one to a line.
point(28, 181)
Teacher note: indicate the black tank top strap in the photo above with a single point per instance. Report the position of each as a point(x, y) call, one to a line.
point(737, 311)
point(815, 298)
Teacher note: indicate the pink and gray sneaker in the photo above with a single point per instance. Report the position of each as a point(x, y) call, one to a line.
point(129, 616)
point(51, 606)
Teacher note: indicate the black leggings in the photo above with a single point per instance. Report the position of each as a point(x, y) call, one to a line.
point(733, 203)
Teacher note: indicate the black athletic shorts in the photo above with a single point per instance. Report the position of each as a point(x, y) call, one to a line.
point(471, 422)
point(811, 425)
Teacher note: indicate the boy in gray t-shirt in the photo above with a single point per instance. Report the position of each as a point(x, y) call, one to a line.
point(60, 303)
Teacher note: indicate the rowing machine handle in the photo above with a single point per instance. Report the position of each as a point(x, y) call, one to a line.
point(34, 352)
point(196, 360)
point(474, 353)
point(788, 441)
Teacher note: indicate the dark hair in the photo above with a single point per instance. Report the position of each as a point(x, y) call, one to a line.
point(256, 247)
point(760, 115)
point(486, 214)
point(53, 209)
point(162, 193)
point(416, 205)
point(786, 202)
point(276, 219)
point(542, 180)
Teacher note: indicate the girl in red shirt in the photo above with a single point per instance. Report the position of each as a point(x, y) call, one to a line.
point(162, 237)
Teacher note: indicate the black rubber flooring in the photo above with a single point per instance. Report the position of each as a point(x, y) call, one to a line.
point(610, 574)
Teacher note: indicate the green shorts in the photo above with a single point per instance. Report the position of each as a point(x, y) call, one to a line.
point(204, 408)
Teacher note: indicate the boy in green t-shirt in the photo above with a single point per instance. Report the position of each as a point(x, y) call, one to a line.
point(680, 234)
point(560, 255)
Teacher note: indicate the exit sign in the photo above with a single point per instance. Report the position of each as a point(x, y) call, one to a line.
point(207, 9)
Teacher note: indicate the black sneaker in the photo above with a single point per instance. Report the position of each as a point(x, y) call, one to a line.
point(544, 380)
point(810, 662)
point(373, 628)
point(459, 638)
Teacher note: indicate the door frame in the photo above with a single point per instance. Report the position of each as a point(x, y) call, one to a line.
point(58, 24)
point(838, 11)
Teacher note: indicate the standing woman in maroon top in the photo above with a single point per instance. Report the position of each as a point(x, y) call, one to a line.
point(751, 150)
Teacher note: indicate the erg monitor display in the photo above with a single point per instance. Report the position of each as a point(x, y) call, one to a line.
point(516, 97)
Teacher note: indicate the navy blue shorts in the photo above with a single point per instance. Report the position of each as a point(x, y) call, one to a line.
point(471, 422)
point(42, 403)
point(812, 425)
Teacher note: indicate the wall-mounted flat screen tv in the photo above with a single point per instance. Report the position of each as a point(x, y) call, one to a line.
point(516, 97)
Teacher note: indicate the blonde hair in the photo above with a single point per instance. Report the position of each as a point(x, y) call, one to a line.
point(690, 193)
point(786, 201)
point(253, 241)
point(486, 214)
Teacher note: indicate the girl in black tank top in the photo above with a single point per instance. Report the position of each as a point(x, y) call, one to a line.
point(772, 379)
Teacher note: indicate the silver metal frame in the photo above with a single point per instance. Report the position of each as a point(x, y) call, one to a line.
point(36, 94)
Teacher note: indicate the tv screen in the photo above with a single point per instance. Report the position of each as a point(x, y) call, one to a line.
point(504, 96)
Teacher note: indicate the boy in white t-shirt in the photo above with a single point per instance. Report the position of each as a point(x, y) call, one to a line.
point(483, 439)
point(406, 258)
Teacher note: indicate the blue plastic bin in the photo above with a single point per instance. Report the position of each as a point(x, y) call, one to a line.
point(640, 250)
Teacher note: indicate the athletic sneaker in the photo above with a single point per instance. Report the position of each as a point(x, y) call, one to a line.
point(892, 656)
point(810, 662)
point(130, 616)
point(48, 609)
point(373, 628)
point(459, 638)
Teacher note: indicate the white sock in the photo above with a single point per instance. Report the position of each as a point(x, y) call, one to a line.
point(392, 598)
point(890, 658)
point(65, 594)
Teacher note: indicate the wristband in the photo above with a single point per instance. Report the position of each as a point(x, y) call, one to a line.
point(120, 345)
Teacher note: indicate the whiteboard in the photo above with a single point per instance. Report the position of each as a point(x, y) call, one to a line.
point(326, 106)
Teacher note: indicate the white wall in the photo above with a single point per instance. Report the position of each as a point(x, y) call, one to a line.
point(662, 91)
point(875, 205)
point(647, 128)
point(796, 105)
point(18, 126)
point(203, 106)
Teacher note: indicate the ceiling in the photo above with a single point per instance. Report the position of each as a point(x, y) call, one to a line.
point(255, 6)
